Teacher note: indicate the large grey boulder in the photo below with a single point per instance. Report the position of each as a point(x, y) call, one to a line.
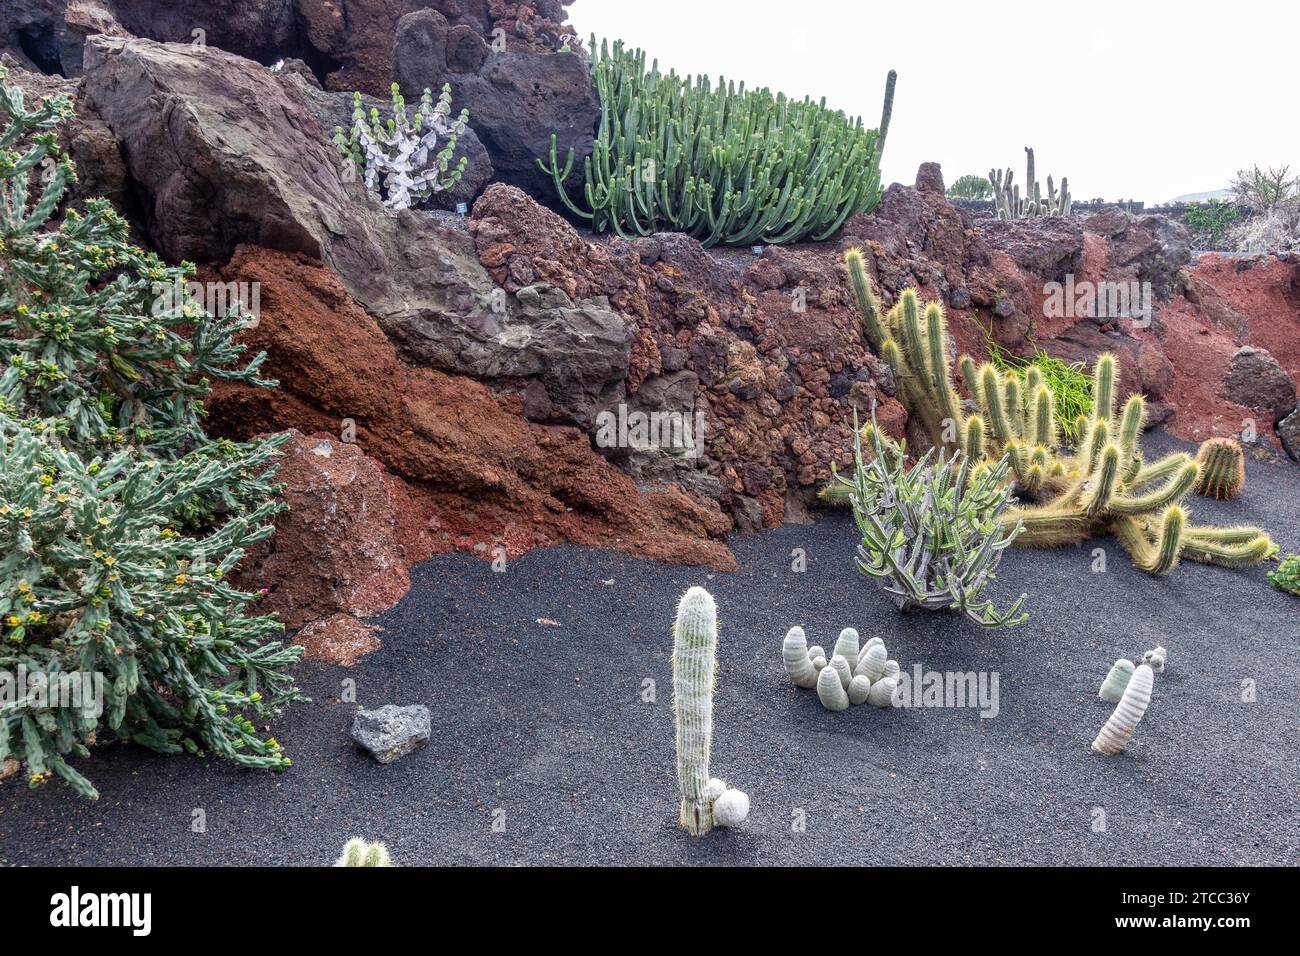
point(516, 97)
point(1288, 430)
point(1256, 380)
point(391, 732)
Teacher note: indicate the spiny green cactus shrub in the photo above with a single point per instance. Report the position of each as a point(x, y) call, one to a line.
point(358, 852)
point(1101, 486)
point(119, 517)
point(718, 162)
point(1223, 468)
point(1034, 204)
point(705, 800)
point(1286, 577)
point(970, 186)
point(933, 534)
point(396, 158)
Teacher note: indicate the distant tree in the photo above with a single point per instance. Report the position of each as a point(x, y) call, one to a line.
point(1265, 190)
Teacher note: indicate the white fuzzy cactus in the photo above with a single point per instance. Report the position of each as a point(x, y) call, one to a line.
point(853, 675)
point(1128, 712)
point(794, 653)
point(695, 648)
point(1155, 659)
point(397, 158)
point(358, 852)
point(1112, 688)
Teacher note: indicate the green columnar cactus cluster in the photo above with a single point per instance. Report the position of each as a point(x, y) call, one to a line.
point(120, 519)
point(1034, 204)
point(1223, 468)
point(358, 852)
point(932, 534)
point(396, 158)
point(1102, 486)
point(1287, 575)
point(720, 163)
point(706, 800)
point(852, 676)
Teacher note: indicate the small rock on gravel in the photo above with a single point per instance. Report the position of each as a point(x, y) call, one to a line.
point(391, 732)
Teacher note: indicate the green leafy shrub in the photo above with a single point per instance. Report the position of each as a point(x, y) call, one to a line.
point(119, 517)
point(932, 534)
point(1286, 577)
point(717, 162)
point(971, 186)
point(1208, 222)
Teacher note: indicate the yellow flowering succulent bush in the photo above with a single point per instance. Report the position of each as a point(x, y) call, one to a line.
point(120, 519)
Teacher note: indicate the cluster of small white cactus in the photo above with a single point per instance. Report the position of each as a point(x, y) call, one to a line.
point(1128, 686)
point(706, 801)
point(851, 675)
point(398, 155)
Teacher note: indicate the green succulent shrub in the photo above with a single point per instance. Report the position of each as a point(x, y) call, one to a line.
point(1286, 577)
point(1209, 222)
point(971, 186)
point(119, 518)
point(723, 164)
point(932, 534)
point(1034, 204)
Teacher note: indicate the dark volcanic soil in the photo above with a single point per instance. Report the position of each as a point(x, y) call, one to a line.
point(545, 725)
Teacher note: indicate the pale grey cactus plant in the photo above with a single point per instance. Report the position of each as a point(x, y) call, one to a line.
point(358, 852)
point(1114, 736)
point(1112, 688)
point(397, 159)
point(873, 680)
point(695, 648)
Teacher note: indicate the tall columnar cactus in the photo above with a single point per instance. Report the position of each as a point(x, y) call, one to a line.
point(717, 162)
point(358, 852)
point(397, 158)
point(1034, 204)
point(1102, 486)
point(695, 647)
point(1223, 468)
point(1114, 736)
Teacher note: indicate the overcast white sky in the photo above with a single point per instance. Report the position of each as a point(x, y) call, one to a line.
point(1131, 100)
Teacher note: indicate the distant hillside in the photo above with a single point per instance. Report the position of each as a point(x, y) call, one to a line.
point(1201, 197)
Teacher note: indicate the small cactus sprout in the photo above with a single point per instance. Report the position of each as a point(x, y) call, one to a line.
point(731, 808)
point(358, 852)
point(859, 689)
point(846, 645)
point(882, 692)
point(1114, 736)
point(1223, 468)
point(1112, 688)
point(794, 653)
point(892, 669)
point(841, 667)
point(873, 662)
point(817, 651)
point(1155, 659)
point(871, 642)
point(830, 691)
point(818, 663)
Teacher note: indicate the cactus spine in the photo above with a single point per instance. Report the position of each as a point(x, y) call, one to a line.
point(1104, 486)
point(695, 648)
point(1114, 736)
point(358, 852)
point(1223, 468)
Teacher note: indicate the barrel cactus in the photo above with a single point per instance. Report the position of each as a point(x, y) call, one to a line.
point(695, 648)
point(1223, 468)
point(873, 680)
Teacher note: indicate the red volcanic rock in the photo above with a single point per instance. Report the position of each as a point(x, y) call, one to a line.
point(478, 477)
point(346, 542)
point(338, 639)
